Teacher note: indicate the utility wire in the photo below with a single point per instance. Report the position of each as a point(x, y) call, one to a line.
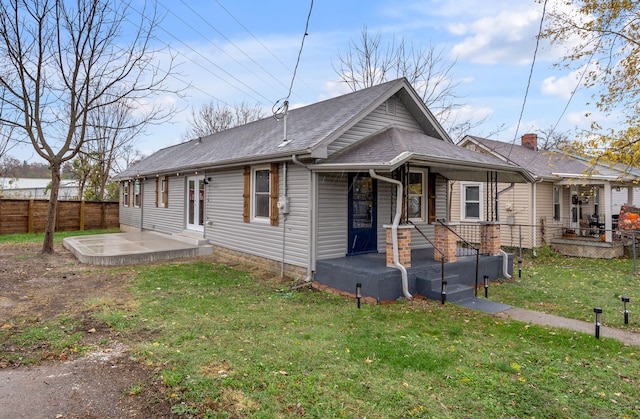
point(258, 41)
point(230, 42)
point(285, 105)
point(526, 93)
point(213, 64)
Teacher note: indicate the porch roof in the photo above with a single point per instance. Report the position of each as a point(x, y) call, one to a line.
point(392, 147)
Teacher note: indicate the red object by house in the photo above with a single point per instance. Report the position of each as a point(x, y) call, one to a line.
point(629, 218)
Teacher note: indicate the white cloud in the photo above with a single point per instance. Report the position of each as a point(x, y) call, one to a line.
point(508, 37)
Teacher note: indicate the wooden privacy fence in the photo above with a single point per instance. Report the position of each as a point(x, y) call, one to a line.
point(30, 215)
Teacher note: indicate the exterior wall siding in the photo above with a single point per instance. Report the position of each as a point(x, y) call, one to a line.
point(170, 219)
point(225, 227)
point(375, 121)
point(332, 217)
point(130, 217)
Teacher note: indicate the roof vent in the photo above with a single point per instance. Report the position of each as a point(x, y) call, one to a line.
point(391, 106)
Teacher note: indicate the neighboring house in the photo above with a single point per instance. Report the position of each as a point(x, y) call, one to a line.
point(569, 197)
point(313, 186)
point(34, 188)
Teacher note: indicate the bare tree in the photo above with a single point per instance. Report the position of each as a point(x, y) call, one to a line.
point(369, 61)
point(113, 131)
point(550, 138)
point(64, 62)
point(213, 117)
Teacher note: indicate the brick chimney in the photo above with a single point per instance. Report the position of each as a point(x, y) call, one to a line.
point(530, 141)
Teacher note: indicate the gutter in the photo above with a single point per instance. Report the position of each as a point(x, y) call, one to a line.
point(394, 230)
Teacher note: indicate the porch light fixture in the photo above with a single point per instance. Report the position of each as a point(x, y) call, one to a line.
point(443, 292)
point(598, 313)
point(625, 300)
point(486, 286)
point(358, 292)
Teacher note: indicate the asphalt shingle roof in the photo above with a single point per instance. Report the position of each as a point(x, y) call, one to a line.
point(541, 163)
point(393, 146)
point(307, 127)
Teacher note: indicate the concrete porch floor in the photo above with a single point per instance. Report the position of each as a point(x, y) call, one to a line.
point(133, 248)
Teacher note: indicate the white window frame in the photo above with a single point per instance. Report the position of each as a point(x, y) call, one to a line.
point(423, 195)
point(126, 193)
point(463, 201)
point(557, 201)
point(163, 193)
point(137, 194)
point(260, 218)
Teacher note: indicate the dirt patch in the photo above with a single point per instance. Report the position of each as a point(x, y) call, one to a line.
point(106, 381)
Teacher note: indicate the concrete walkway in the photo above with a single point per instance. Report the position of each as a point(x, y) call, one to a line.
point(534, 317)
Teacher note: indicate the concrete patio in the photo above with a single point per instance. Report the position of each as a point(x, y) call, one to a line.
point(134, 248)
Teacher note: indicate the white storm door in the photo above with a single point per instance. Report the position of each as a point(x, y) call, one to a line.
point(195, 203)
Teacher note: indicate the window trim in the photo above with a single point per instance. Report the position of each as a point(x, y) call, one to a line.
point(557, 200)
point(260, 218)
point(162, 192)
point(463, 201)
point(126, 191)
point(423, 210)
point(137, 194)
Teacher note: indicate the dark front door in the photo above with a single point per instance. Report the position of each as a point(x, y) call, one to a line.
point(362, 214)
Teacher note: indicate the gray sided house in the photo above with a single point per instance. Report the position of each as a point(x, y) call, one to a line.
point(318, 185)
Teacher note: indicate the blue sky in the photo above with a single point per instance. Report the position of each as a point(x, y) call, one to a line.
point(245, 50)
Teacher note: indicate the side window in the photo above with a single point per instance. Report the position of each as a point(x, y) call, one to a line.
point(261, 193)
point(556, 203)
point(125, 193)
point(471, 202)
point(136, 194)
point(163, 194)
point(416, 193)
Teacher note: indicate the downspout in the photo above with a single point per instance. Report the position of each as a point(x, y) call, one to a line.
point(535, 217)
point(505, 256)
point(394, 230)
point(284, 217)
point(310, 217)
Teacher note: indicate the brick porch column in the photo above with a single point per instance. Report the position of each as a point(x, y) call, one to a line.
point(490, 238)
point(446, 241)
point(404, 245)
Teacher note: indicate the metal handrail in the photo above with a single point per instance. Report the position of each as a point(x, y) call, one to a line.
point(441, 221)
point(442, 260)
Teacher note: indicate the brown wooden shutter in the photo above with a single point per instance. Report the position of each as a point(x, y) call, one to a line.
point(431, 192)
point(157, 188)
point(273, 187)
point(246, 195)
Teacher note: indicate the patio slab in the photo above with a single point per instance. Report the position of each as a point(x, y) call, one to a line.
point(131, 248)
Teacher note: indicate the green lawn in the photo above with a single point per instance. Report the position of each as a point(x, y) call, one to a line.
point(58, 236)
point(572, 287)
point(230, 345)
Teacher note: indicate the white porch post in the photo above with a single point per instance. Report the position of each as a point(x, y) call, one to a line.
point(607, 212)
point(630, 197)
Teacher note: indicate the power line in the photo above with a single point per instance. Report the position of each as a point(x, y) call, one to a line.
point(285, 105)
point(258, 41)
point(212, 63)
point(526, 93)
point(230, 42)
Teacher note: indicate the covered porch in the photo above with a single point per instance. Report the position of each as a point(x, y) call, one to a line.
point(383, 283)
point(396, 185)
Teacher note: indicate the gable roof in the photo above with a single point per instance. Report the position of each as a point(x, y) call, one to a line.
point(309, 131)
point(543, 164)
point(392, 147)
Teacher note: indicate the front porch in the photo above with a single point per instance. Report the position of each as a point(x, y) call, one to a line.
point(424, 276)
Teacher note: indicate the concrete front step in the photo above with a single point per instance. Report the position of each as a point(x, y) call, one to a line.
point(431, 288)
point(194, 238)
